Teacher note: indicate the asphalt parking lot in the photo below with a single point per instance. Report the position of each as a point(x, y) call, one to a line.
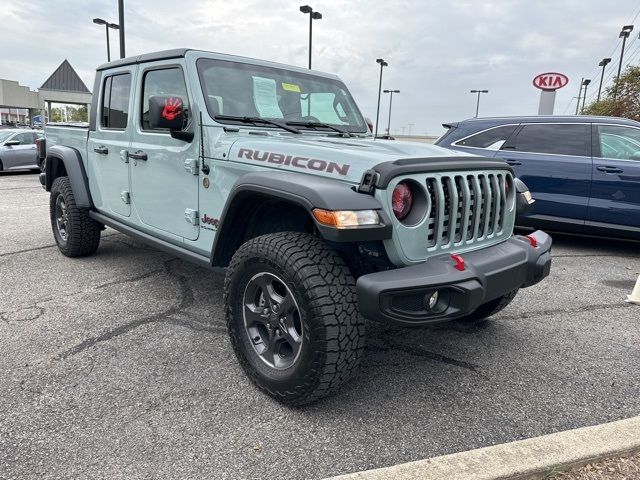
point(119, 366)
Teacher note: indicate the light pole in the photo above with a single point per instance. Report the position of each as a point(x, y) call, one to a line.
point(624, 34)
point(382, 65)
point(107, 26)
point(603, 63)
point(312, 16)
point(478, 102)
point(586, 83)
point(391, 92)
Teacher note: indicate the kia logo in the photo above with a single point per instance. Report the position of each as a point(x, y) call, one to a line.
point(550, 81)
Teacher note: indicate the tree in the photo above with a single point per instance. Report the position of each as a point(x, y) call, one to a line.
point(627, 102)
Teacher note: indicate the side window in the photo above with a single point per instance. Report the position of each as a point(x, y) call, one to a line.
point(619, 142)
point(167, 82)
point(493, 138)
point(559, 139)
point(115, 101)
point(25, 138)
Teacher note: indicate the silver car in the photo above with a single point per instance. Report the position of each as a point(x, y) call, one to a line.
point(18, 149)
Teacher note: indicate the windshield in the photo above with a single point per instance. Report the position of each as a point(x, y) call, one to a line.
point(5, 135)
point(245, 90)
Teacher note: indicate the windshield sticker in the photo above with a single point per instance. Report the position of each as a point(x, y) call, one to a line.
point(265, 97)
point(298, 162)
point(290, 87)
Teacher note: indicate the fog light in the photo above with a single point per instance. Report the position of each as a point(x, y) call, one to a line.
point(433, 300)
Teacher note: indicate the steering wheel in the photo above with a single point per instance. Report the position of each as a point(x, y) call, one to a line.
point(309, 118)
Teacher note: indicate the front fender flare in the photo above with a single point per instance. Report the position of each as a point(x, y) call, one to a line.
point(307, 192)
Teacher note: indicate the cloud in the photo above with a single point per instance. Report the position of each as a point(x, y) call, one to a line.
point(437, 51)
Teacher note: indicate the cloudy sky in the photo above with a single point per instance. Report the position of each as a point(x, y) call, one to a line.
point(437, 50)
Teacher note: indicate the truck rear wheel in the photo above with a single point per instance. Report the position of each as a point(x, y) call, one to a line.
point(486, 310)
point(76, 234)
point(291, 311)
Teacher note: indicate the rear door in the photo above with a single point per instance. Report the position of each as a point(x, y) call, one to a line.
point(615, 194)
point(165, 192)
point(108, 144)
point(554, 160)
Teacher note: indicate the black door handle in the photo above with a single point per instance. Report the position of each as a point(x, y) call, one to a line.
point(607, 169)
point(102, 150)
point(139, 155)
point(514, 162)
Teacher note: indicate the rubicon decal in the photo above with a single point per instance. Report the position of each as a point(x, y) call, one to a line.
point(298, 162)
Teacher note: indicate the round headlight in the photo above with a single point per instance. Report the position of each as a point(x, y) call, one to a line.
point(402, 200)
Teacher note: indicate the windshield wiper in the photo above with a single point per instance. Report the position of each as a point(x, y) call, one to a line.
point(315, 125)
point(256, 120)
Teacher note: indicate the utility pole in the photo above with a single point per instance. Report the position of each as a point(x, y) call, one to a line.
point(382, 65)
point(391, 92)
point(586, 83)
point(121, 24)
point(603, 63)
point(579, 96)
point(624, 34)
point(478, 102)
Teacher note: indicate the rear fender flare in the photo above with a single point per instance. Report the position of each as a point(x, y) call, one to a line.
point(62, 159)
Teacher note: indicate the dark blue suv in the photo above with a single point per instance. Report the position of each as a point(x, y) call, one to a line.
point(583, 171)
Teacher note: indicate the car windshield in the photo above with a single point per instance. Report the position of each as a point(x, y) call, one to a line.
point(245, 90)
point(5, 135)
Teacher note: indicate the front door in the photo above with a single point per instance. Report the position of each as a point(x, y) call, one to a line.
point(107, 145)
point(615, 195)
point(554, 161)
point(23, 155)
point(164, 192)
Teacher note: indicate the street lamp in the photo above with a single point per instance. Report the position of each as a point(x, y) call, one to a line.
point(585, 83)
point(312, 16)
point(107, 26)
point(478, 102)
point(624, 34)
point(391, 92)
point(603, 63)
point(382, 65)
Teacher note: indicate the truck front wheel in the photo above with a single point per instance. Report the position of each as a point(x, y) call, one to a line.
point(76, 234)
point(292, 315)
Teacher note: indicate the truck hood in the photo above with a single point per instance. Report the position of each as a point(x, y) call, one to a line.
point(344, 159)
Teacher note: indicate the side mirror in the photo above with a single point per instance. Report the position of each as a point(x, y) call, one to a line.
point(11, 143)
point(166, 112)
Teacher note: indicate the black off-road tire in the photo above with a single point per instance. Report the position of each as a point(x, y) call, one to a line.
point(81, 235)
point(333, 331)
point(486, 310)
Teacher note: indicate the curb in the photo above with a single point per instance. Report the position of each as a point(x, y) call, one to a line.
point(524, 459)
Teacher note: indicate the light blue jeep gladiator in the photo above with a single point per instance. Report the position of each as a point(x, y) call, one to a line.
point(271, 172)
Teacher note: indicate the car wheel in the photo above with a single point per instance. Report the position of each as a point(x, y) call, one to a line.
point(292, 315)
point(75, 233)
point(486, 310)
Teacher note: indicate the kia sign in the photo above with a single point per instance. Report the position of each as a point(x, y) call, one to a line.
point(550, 81)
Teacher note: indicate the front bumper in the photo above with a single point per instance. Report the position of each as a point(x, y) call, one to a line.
point(402, 295)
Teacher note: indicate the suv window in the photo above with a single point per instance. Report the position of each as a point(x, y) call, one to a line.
point(25, 138)
point(115, 101)
point(559, 139)
point(619, 142)
point(492, 138)
point(166, 82)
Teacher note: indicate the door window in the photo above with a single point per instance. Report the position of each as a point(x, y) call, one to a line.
point(115, 101)
point(25, 138)
point(619, 142)
point(493, 138)
point(558, 139)
point(167, 82)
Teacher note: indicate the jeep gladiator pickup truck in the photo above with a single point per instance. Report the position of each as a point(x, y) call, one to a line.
point(271, 172)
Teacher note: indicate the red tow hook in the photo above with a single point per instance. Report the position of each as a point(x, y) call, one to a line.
point(532, 241)
point(459, 261)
